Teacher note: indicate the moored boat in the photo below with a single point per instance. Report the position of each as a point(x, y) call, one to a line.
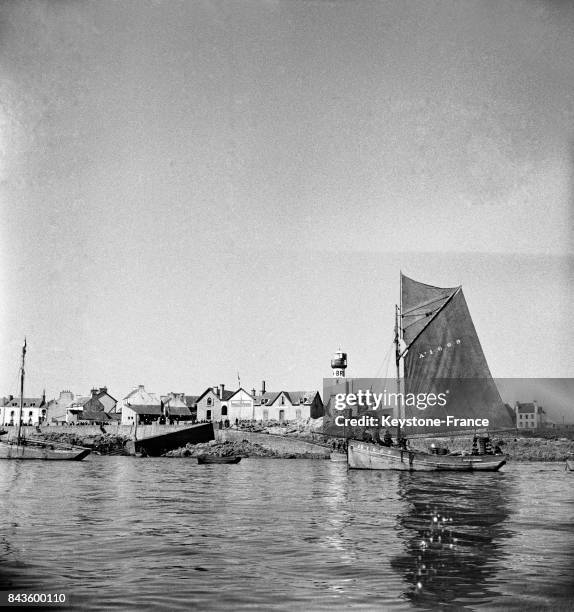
point(203, 459)
point(570, 463)
point(367, 456)
point(437, 349)
point(42, 450)
point(33, 448)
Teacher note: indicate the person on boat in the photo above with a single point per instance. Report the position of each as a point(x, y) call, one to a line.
point(474, 446)
point(402, 442)
point(387, 438)
point(488, 446)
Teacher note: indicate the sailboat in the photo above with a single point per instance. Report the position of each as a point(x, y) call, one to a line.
point(32, 448)
point(437, 350)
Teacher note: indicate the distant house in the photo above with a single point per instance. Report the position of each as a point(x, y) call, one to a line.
point(212, 404)
point(288, 406)
point(139, 406)
point(144, 414)
point(175, 407)
point(241, 406)
point(104, 398)
point(529, 415)
point(57, 409)
point(33, 410)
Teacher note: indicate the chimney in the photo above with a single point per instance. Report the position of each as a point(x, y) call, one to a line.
point(222, 388)
point(262, 387)
point(94, 392)
point(253, 392)
point(103, 389)
point(141, 387)
point(216, 390)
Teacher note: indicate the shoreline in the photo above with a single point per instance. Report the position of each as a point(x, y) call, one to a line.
point(522, 449)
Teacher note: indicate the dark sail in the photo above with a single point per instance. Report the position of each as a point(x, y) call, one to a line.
point(444, 355)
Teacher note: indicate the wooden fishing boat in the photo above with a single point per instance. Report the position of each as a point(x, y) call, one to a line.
point(437, 349)
point(204, 459)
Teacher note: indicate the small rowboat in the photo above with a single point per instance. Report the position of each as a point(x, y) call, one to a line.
point(202, 459)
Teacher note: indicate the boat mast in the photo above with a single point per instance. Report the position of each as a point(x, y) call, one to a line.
point(398, 334)
point(398, 361)
point(21, 392)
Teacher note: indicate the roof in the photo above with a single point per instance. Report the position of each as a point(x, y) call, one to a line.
point(226, 394)
point(528, 408)
point(178, 411)
point(29, 402)
point(153, 409)
point(297, 396)
point(269, 396)
point(293, 396)
point(191, 400)
point(140, 396)
point(239, 391)
point(80, 401)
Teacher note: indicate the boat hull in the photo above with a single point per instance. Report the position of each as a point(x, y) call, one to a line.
point(367, 456)
point(338, 457)
point(203, 459)
point(570, 465)
point(42, 453)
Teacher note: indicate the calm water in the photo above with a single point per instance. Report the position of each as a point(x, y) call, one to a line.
point(125, 533)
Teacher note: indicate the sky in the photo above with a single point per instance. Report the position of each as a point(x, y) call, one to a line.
point(192, 190)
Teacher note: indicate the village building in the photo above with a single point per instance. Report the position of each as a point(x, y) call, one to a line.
point(241, 406)
point(286, 406)
point(33, 410)
point(57, 409)
point(139, 406)
point(529, 415)
point(175, 408)
point(212, 404)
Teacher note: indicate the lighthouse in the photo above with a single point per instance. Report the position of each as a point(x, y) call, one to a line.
point(339, 364)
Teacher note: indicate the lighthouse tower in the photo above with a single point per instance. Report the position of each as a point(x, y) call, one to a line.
point(339, 364)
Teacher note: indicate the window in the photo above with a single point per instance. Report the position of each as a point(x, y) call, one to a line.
point(223, 410)
point(283, 400)
point(209, 401)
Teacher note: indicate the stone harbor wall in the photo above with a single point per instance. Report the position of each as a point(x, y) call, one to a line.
point(281, 444)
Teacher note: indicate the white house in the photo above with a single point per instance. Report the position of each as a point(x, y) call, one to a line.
point(288, 406)
point(33, 410)
point(139, 406)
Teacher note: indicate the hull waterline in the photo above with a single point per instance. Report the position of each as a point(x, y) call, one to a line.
point(367, 456)
point(205, 459)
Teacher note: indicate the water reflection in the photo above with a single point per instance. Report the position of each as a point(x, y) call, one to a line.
point(454, 532)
